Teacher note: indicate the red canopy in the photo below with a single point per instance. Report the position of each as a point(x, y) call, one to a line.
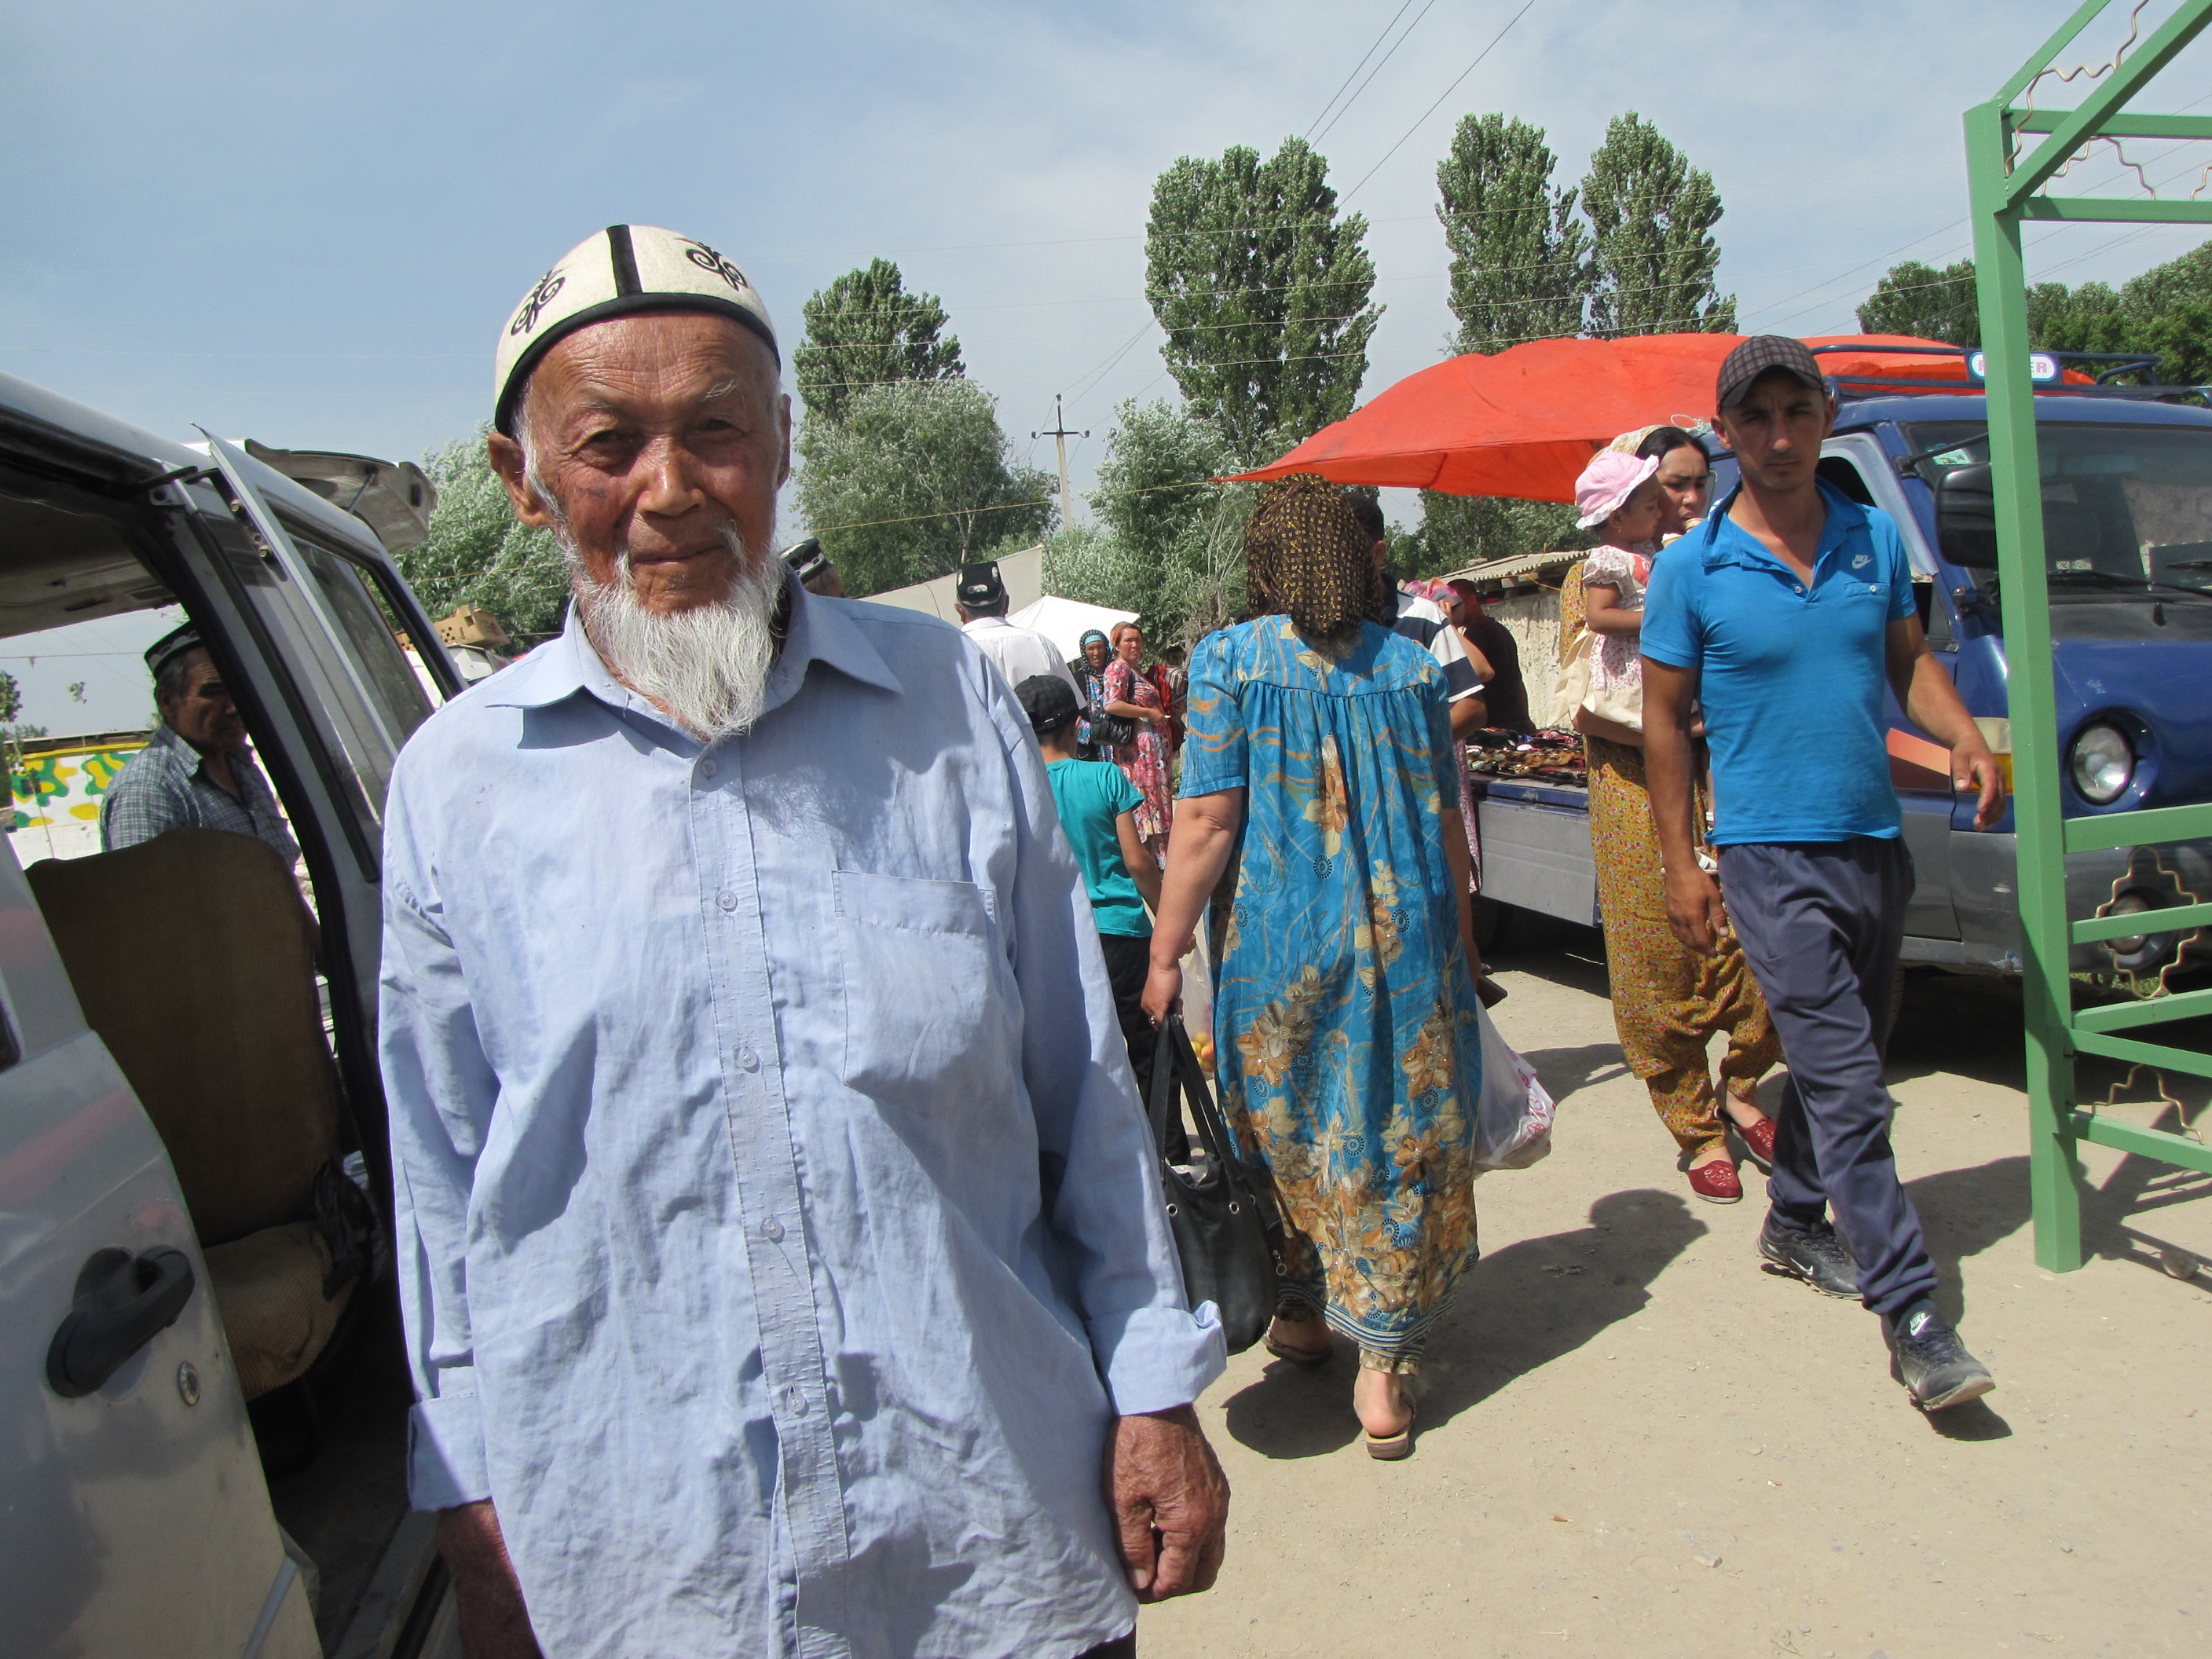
point(1523, 423)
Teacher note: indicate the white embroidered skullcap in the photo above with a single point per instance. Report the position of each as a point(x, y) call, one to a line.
point(622, 271)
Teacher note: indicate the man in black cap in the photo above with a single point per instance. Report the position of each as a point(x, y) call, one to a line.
point(980, 594)
point(1783, 614)
point(811, 565)
point(198, 772)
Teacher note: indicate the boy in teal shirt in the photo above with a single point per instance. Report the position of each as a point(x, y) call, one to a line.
point(1097, 809)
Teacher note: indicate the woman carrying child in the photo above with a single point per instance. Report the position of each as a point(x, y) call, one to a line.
point(1667, 1000)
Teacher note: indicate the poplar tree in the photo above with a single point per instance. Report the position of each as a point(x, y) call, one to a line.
point(1519, 257)
point(1651, 217)
point(865, 330)
point(1263, 292)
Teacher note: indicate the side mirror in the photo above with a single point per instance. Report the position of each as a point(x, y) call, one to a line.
point(1967, 517)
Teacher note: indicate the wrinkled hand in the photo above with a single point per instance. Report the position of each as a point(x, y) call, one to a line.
point(1974, 768)
point(1170, 1501)
point(1163, 986)
point(1694, 909)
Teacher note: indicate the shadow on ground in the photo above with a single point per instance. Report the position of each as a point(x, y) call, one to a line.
point(1565, 1071)
point(1517, 1311)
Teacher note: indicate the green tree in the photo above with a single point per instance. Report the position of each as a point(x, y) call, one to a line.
point(2167, 310)
point(478, 553)
point(1913, 298)
point(1459, 531)
point(1651, 219)
point(915, 477)
point(1169, 544)
point(1263, 292)
point(865, 330)
point(1519, 257)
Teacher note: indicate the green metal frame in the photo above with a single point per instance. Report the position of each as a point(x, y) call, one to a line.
point(2006, 188)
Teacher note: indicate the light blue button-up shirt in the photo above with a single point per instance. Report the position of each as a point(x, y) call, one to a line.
point(779, 1227)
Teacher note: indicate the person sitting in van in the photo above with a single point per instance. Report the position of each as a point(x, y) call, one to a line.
point(198, 772)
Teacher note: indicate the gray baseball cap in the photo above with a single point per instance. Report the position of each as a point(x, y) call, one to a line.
point(1758, 355)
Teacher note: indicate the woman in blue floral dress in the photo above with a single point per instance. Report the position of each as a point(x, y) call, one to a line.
point(1348, 1048)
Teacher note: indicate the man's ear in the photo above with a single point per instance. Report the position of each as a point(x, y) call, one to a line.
point(783, 430)
point(506, 460)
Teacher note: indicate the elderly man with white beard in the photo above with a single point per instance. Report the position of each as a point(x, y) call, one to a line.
point(782, 1251)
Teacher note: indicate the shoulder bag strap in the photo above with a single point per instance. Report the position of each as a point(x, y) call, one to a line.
point(1160, 1091)
point(1213, 1128)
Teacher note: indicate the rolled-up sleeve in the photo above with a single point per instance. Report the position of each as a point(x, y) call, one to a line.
point(439, 1090)
point(1101, 1180)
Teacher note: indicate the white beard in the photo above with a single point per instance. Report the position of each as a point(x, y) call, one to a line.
point(708, 665)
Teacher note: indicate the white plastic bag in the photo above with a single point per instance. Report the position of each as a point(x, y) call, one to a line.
point(1513, 1120)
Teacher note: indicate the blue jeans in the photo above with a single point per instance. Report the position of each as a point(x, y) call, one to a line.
point(1821, 923)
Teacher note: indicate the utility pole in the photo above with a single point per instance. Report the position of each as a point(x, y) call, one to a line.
point(1059, 435)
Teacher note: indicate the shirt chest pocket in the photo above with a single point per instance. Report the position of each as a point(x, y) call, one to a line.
point(1854, 601)
point(930, 1012)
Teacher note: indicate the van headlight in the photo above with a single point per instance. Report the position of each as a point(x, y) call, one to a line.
point(2104, 762)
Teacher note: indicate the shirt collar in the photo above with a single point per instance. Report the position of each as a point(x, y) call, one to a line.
point(1741, 547)
point(193, 762)
point(821, 630)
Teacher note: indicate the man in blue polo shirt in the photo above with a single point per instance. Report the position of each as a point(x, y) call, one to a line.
point(1779, 618)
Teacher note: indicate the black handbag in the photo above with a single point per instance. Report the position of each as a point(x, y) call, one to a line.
point(1112, 730)
point(1221, 1210)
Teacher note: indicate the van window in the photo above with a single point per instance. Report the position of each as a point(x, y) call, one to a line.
point(370, 630)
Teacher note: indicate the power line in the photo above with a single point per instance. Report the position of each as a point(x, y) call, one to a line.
point(1357, 67)
point(1441, 96)
point(1377, 69)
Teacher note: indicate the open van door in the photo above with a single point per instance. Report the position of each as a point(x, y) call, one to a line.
point(136, 1502)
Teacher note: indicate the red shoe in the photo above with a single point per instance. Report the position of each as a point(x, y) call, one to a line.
point(1716, 1182)
point(1759, 1138)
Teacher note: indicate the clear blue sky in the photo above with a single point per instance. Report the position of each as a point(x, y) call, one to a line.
point(305, 223)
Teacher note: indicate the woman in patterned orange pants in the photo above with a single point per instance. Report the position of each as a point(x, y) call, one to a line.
point(1667, 1000)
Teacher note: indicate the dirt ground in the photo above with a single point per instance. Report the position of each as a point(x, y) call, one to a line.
point(1635, 1442)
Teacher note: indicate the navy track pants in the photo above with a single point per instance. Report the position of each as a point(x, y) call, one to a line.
point(1821, 923)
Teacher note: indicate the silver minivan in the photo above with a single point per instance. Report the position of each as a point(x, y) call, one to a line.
point(203, 1394)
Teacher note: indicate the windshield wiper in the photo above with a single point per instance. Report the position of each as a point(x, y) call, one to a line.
point(2135, 584)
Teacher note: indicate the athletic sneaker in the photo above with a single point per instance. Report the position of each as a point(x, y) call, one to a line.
point(1816, 1254)
point(1933, 1363)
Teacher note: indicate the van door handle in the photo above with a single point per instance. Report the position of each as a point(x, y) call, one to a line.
point(122, 1302)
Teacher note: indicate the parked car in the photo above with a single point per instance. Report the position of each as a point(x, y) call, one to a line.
point(2127, 502)
point(204, 1397)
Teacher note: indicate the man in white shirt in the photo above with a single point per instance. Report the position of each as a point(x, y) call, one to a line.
point(1422, 622)
point(981, 596)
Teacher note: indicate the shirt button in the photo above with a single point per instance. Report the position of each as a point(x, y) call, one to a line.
point(1794, 588)
point(772, 1230)
point(794, 1402)
point(726, 899)
point(748, 1061)
point(706, 769)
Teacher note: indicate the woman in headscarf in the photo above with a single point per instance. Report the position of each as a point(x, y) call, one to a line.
point(1090, 680)
point(1667, 1000)
point(1347, 1043)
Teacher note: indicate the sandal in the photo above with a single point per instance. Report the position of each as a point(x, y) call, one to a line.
point(1392, 1448)
point(1306, 1359)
